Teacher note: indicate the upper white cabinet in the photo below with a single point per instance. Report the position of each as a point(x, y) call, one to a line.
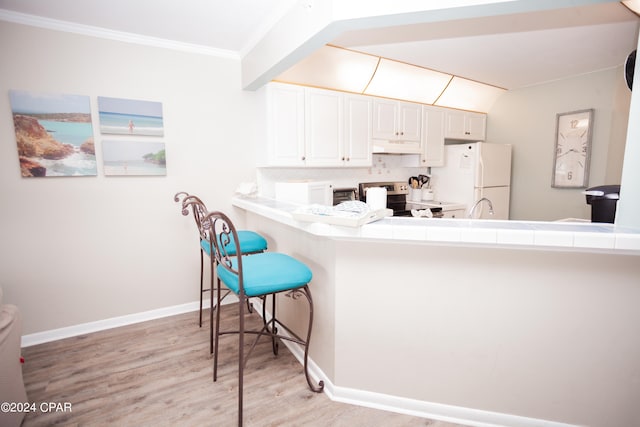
point(396, 120)
point(323, 127)
point(465, 125)
point(433, 121)
point(316, 127)
point(285, 126)
point(358, 115)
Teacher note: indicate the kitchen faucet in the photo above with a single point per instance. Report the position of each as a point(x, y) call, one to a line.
point(475, 205)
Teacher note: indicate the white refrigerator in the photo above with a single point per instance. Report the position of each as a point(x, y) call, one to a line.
point(473, 171)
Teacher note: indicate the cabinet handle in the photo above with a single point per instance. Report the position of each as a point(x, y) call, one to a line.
point(343, 159)
point(348, 159)
point(304, 158)
point(401, 133)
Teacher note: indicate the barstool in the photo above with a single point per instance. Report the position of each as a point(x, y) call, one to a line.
point(260, 275)
point(250, 242)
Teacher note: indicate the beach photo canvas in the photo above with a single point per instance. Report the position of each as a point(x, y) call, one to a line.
point(130, 117)
point(122, 157)
point(54, 134)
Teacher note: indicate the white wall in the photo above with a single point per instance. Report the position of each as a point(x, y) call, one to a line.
point(545, 335)
point(526, 118)
point(76, 250)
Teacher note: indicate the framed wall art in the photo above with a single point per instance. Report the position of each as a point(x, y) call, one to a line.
point(54, 134)
point(142, 158)
point(130, 117)
point(572, 149)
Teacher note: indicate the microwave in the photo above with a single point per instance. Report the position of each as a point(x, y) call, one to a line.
point(305, 192)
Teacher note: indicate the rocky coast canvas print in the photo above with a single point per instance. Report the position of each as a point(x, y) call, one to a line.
point(130, 117)
point(53, 133)
point(122, 157)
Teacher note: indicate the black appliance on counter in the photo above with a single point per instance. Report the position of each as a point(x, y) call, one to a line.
point(396, 196)
point(603, 200)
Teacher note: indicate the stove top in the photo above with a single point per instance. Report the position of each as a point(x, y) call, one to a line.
point(396, 195)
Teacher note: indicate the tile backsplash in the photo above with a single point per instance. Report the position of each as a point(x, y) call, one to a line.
point(386, 167)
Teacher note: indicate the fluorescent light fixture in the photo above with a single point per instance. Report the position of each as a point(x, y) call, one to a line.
point(346, 70)
point(398, 80)
point(467, 94)
point(633, 5)
point(333, 68)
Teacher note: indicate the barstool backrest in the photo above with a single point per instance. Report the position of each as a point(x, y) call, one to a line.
point(221, 233)
point(199, 211)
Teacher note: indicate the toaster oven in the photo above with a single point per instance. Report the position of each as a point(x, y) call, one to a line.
point(344, 194)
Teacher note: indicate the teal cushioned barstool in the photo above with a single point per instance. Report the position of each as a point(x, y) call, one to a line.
point(250, 243)
point(259, 275)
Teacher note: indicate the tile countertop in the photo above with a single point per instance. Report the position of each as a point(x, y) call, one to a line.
point(564, 236)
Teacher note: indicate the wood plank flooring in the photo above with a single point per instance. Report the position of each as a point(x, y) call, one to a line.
point(159, 373)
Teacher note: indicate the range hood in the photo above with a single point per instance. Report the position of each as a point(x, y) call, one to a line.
point(380, 146)
point(337, 68)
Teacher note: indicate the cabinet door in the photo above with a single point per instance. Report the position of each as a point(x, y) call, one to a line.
point(323, 123)
point(357, 130)
point(455, 125)
point(385, 119)
point(465, 125)
point(432, 137)
point(477, 126)
point(285, 125)
point(410, 122)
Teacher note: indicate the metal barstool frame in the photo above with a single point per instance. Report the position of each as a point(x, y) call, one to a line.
point(199, 210)
point(220, 226)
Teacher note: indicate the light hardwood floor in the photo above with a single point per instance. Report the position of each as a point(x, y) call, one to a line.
point(160, 373)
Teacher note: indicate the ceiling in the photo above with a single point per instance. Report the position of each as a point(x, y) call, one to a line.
point(509, 51)
point(227, 25)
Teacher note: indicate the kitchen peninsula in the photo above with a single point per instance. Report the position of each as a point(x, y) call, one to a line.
point(497, 322)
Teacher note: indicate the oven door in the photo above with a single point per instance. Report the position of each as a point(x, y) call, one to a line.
point(398, 203)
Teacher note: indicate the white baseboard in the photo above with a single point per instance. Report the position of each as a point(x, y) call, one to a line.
point(385, 402)
point(437, 411)
point(114, 322)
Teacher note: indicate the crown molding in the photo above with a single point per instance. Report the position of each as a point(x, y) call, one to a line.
point(88, 30)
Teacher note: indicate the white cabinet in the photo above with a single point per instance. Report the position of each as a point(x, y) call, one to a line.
point(337, 129)
point(358, 114)
point(396, 120)
point(323, 127)
point(465, 125)
point(317, 128)
point(285, 125)
point(432, 136)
